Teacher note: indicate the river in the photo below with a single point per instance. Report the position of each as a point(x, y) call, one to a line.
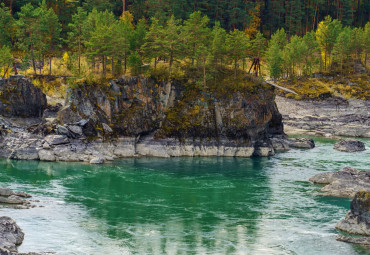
point(184, 205)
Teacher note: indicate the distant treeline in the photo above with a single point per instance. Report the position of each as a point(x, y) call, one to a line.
point(295, 16)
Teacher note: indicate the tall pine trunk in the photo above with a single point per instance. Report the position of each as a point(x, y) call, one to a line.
point(235, 65)
point(79, 49)
point(50, 64)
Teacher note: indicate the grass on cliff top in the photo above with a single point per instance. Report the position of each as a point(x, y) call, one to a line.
point(355, 85)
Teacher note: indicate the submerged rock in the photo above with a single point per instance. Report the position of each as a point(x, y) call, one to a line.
point(344, 183)
point(357, 220)
point(349, 145)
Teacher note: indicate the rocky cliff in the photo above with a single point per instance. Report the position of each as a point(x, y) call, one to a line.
point(20, 98)
point(170, 119)
point(143, 117)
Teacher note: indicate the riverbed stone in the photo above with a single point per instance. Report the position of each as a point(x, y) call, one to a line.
point(344, 183)
point(349, 145)
point(97, 160)
point(11, 234)
point(301, 143)
point(357, 220)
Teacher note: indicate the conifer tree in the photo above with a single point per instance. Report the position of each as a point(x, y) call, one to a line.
point(341, 48)
point(5, 59)
point(326, 35)
point(50, 29)
point(258, 45)
point(75, 37)
point(195, 33)
point(237, 45)
point(6, 26)
point(153, 47)
point(218, 45)
point(28, 32)
point(172, 44)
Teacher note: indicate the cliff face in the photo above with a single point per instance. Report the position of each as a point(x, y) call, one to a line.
point(20, 98)
point(169, 119)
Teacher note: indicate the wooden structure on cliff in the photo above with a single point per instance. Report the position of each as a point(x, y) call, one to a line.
point(260, 81)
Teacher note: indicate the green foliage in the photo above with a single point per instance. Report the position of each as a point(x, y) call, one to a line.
point(5, 59)
point(7, 25)
point(238, 44)
point(342, 46)
point(274, 57)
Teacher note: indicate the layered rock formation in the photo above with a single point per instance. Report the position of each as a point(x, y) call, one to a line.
point(344, 183)
point(20, 98)
point(142, 117)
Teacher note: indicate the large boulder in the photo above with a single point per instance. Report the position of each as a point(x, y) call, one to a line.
point(344, 183)
point(357, 220)
point(11, 234)
point(349, 145)
point(20, 98)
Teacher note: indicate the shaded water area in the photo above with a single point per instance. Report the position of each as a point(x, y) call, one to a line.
point(184, 205)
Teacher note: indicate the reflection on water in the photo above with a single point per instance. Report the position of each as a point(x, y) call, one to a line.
point(183, 205)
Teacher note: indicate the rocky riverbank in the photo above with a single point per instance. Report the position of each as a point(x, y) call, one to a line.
point(352, 183)
point(327, 117)
point(138, 116)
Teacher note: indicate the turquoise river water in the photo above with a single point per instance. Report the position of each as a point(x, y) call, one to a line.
point(184, 205)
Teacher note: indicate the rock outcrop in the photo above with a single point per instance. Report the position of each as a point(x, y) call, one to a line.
point(349, 145)
point(141, 117)
point(20, 98)
point(167, 119)
point(357, 220)
point(344, 183)
point(11, 235)
point(328, 117)
point(14, 199)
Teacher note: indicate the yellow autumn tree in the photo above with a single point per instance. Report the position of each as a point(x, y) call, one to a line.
point(254, 25)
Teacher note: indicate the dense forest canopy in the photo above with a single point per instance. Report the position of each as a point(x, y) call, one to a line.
point(208, 38)
point(295, 16)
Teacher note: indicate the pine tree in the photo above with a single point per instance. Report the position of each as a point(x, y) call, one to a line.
point(75, 37)
point(258, 45)
point(310, 52)
point(50, 29)
point(237, 45)
point(326, 35)
point(5, 59)
point(6, 26)
point(366, 39)
point(218, 44)
point(153, 47)
point(341, 48)
point(195, 33)
point(28, 32)
point(172, 45)
point(293, 54)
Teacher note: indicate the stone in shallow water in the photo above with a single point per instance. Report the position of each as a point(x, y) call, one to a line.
point(344, 183)
point(11, 234)
point(357, 220)
point(349, 145)
point(97, 160)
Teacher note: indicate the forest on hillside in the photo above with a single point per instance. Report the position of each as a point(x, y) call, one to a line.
point(209, 39)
